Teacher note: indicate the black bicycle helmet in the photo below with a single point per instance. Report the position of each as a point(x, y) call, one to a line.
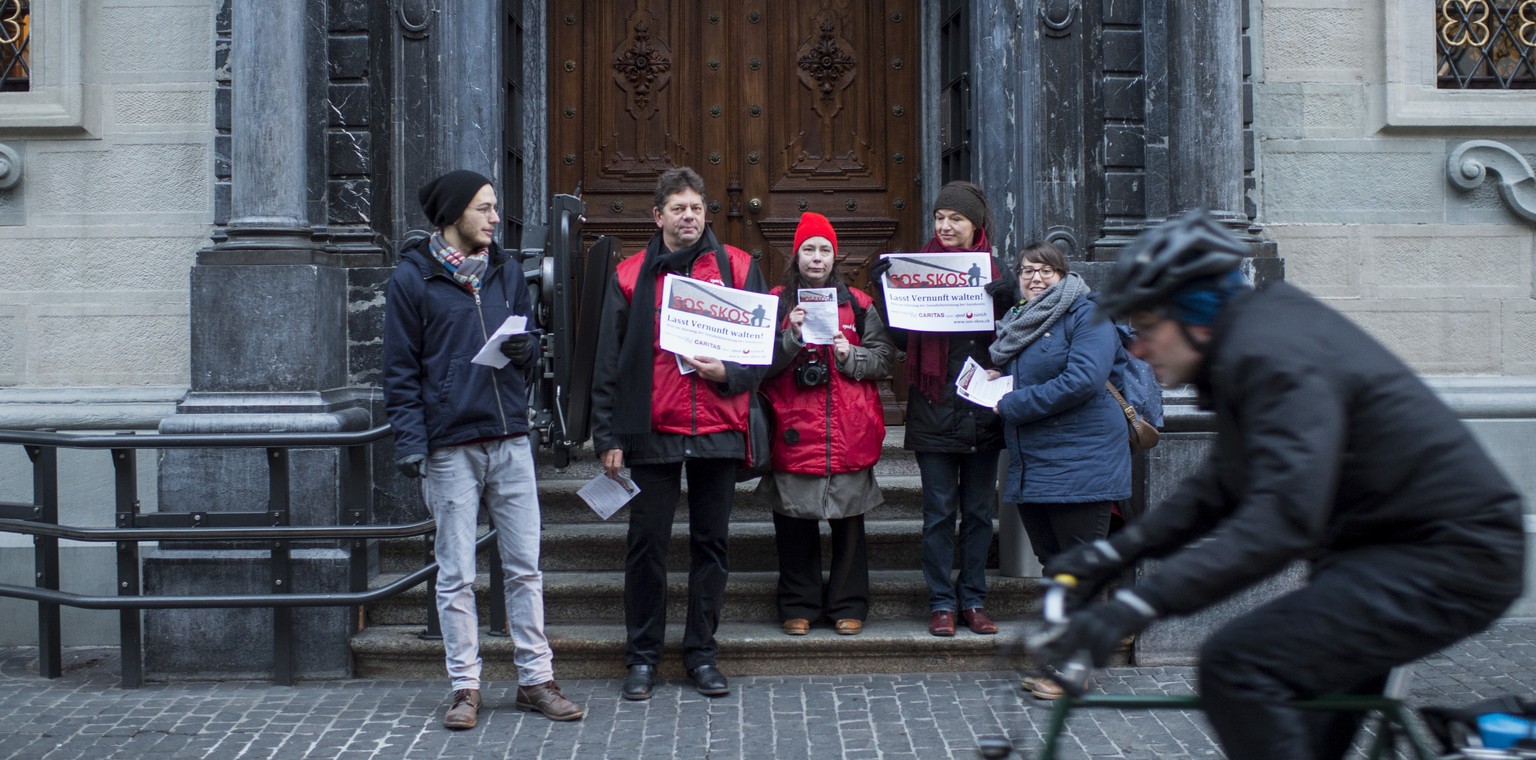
point(1162, 260)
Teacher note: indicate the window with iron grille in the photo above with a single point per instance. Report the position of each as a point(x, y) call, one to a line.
point(955, 92)
point(15, 53)
point(1486, 44)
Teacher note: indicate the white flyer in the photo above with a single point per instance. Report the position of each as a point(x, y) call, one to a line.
point(606, 495)
point(974, 385)
point(490, 354)
point(820, 306)
point(701, 319)
point(939, 292)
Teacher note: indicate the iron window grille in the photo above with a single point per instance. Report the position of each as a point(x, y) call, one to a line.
point(1486, 44)
point(15, 53)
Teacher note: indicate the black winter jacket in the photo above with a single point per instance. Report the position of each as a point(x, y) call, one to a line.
point(433, 395)
point(953, 425)
point(1327, 444)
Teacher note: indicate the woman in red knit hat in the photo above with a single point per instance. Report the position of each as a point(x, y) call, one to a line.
point(828, 430)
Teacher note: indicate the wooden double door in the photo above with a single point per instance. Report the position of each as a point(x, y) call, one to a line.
point(781, 106)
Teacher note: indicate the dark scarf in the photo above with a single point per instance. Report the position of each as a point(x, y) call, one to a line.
point(632, 408)
point(928, 356)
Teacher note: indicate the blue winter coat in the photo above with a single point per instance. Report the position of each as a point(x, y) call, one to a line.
point(434, 396)
point(1066, 435)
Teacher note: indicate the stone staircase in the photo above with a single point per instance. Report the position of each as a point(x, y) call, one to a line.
point(583, 561)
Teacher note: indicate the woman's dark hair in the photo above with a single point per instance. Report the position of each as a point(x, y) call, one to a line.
point(793, 282)
point(1043, 252)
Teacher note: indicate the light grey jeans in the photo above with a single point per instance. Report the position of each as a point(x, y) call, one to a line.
point(456, 478)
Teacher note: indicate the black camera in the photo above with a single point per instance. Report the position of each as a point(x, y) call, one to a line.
point(812, 372)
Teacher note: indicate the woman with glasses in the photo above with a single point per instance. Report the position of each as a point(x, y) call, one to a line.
point(1069, 459)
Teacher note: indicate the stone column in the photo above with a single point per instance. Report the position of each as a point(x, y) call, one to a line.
point(1003, 59)
point(269, 66)
point(268, 353)
point(1205, 131)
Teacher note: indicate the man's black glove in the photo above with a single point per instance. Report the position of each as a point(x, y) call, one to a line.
point(413, 466)
point(522, 349)
point(1093, 565)
point(1099, 629)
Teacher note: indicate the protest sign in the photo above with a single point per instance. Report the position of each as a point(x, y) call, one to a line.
point(938, 292)
point(700, 319)
point(820, 306)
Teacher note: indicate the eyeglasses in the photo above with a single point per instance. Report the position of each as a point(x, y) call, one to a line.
point(1028, 273)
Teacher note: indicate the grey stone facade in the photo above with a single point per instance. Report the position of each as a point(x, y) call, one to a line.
point(218, 216)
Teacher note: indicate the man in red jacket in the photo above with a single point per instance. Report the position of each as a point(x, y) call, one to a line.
point(660, 413)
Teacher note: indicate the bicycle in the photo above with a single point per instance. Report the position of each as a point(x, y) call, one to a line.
point(1390, 717)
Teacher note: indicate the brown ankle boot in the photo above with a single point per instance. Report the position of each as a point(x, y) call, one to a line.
point(546, 698)
point(463, 710)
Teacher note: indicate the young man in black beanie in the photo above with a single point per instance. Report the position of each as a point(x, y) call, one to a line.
point(463, 428)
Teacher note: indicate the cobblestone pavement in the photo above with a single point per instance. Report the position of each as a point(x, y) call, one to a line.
point(84, 715)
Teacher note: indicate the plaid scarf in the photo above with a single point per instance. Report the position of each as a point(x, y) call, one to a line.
point(467, 270)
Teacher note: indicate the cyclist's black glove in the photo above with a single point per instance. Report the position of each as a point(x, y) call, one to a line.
point(1093, 565)
point(522, 349)
point(1099, 629)
point(413, 466)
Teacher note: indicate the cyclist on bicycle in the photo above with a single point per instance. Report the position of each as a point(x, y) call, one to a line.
point(1328, 449)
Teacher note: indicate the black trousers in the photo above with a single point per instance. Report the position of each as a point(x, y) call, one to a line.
point(711, 489)
point(1055, 528)
point(801, 593)
point(1369, 611)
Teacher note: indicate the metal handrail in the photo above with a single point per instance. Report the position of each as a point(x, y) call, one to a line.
point(229, 601)
point(39, 519)
point(193, 440)
point(289, 532)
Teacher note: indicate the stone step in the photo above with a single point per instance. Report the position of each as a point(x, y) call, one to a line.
point(583, 466)
point(892, 544)
point(587, 650)
point(598, 597)
point(560, 505)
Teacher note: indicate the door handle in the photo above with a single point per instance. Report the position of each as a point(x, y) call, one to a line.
point(755, 206)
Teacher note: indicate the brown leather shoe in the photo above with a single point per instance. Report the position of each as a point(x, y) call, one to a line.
point(1041, 687)
point(976, 619)
point(848, 626)
point(942, 623)
point(797, 626)
point(546, 698)
point(463, 710)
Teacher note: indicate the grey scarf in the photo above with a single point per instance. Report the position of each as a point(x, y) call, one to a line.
point(1026, 322)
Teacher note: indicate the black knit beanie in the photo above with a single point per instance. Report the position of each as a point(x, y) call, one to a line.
point(445, 198)
point(963, 197)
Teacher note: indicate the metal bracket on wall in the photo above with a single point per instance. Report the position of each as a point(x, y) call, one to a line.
point(10, 167)
point(1471, 161)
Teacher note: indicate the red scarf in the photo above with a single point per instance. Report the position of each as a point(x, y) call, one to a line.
point(929, 355)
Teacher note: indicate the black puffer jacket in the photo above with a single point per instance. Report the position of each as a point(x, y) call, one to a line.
point(953, 425)
point(1327, 444)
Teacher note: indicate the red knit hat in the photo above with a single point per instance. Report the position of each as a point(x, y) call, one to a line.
point(812, 225)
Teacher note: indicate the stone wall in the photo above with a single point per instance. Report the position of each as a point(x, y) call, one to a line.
point(1353, 152)
point(101, 229)
point(97, 238)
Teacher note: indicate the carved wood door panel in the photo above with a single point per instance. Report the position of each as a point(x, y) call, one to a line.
point(781, 106)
